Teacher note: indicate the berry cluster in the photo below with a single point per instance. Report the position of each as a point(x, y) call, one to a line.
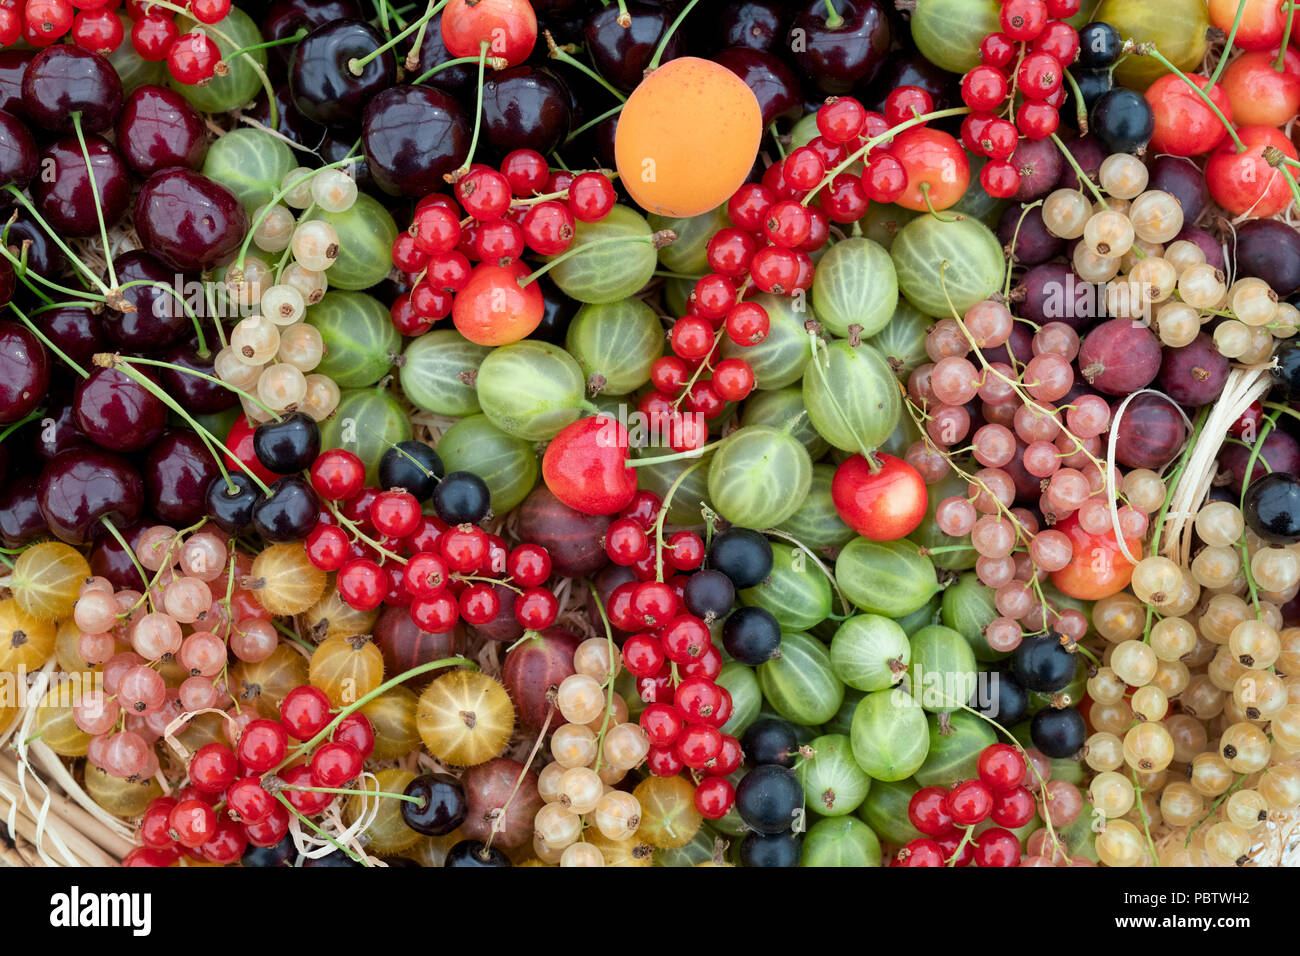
point(1028, 57)
point(273, 352)
point(443, 566)
point(1002, 793)
point(521, 206)
point(230, 802)
point(629, 540)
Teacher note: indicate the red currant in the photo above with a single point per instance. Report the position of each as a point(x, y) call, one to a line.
point(355, 729)
point(213, 768)
point(969, 802)
point(733, 379)
point(526, 171)
point(479, 604)
point(99, 31)
point(484, 193)
point(713, 296)
point(362, 584)
point(262, 745)
point(591, 197)
point(338, 475)
point(747, 323)
point(984, 88)
point(997, 50)
point(1037, 120)
point(662, 724)
point(464, 548)
point(643, 655)
point(274, 828)
point(1013, 808)
point(191, 822)
point(714, 797)
point(884, 180)
point(1000, 178)
point(536, 608)
point(1039, 76)
point(1022, 20)
point(928, 811)
point(249, 801)
point(691, 337)
point(730, 251)
point(907, 102)
point(327, 547)
point(155, 826)
point(685, 550)
point(804, 168)
point(997, 847)
point(920, 853)
point(529, 565)
point(1058, 40)
point(845, 199)
point(192, 59)
point(1001, 766)
point(664, 762)
point(840, 120)
point(304, 712)
point(698, 744)
point(307, 802)
point(644, 509)
point(787, 224)
point(334, 764)
point(684, 638)
point(775, 269)
point(747, 207)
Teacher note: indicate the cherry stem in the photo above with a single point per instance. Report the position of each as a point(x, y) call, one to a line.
point(614, 111)
point(1280, 63)
point(924, 187)
point(14, 426)
point(112, 529)
point(337, 845)
point(352, 526)
point(48, 344)
point(350, 792)
point(519, 780)
point(663, 514)
point(668, 35)
point(190, 313)
point(413, 54)
point(1281, 161)
point(609, 691)
point(675, 456)
point(624, 18)
point(833, 19)
point(875, 141)
point(137, 360)
point(448, 64)
point(211, 440)
point(364, 699)
point(72, 256)
point(1149, 49)
point(455, 176)
point(1079, 174)
point(657, 240)
point(1080, 110)
point(556, 53)
point(382, 7)
point(94, 191)
point(357, 66)
point(1227, 47)
point(283, 41)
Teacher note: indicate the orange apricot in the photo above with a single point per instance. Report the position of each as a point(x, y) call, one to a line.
point(687, 137)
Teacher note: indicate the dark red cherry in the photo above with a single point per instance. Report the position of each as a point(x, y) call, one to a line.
point(43, 257)
point(117, 412)
point(230, 502)
point(159, 128)
point(13, 64)
point(289, 120)
point(188, 221)
point(913, 69)
point(177, 471)
point(62, 80)
point(753, 24)
point(57, 431)
point(24, 371)
point(197, 395)
point(844, 56)
point(159, 318)
point(76, 330)
point(17, 153)
point(21, 520)
point(621, 53)
point(63, 191)
point(284, 18)
point(773, 83)
point(80, 487)
point(8, 282)
point(110, 560)
point(525, 108)
point(322, 84)
point(412, 136)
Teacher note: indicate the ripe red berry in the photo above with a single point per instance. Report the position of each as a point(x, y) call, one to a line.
point(698, 744)
point(664, 762)
point(697, 699)
point(536, 609)
point(192, 59)
point(548, 228)
point(969, 802)
point(213, 768)
point(304, 712)
point(1059, 40)
point(644, 508)
point(362, 584)
point(730, 250)
point(662, 724)
point(155, 828)
point(327, 547)
point(262, 745)
point(479, 604)
point(713, 296)
point(691, 337)
point(208, 11)
point(928, 811)
point(526, 171)
point(984, 88)
point(99, 31)
point(529, 565)
point(845, 199)
point(1001, 766)
point(338, 475)
point(273, 829)
point(907, 102)
point(999, 139)
point(435, 614)
point(591, 197)
point(1000, 178)
point(714, 797)
point(733, 380)
point(775, 269)
point(685, 551)
point(1022, 20)
point(747, 323)
point(334, 763)
point(1037, 120)
point(643, 655)
point(804, 168)
point(840, 120)
point(355, 729)
point(654, 603)
point(996, 847)
point(1013, 808)
point(307, 802)
point(484, 193)
point(464, 548)
point(884, 179)
point(248, 801)
point(748, 205)
point(686, 637)
point(1039, 76)
point(997, 50)
point(395, 513)
point(191, 822)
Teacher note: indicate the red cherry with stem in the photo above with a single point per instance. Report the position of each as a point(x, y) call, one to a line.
point(884, 505)
point(1244, 182)
point(936, 165)
point(304, 712)
point(585, 466)
point(494, 309)
point(1260, 95)
point(1184, 124)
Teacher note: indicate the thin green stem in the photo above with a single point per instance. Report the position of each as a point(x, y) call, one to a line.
point(189, 312)
point(663, 514)
point(1079, 174)
point(253, 399)
point(1227, 47)
point(14, 426)
point(1150, 50)
point(578, 249)
point(319, 832)
point(613, 111)
point(833, 19)
point(357, 65)
point(609, 692)
point(455, 176)
point(1011, 256)
point(445, 65)
point(668, 35)
point(94, 191)
point(53, 236)
point(112, 529)
point(675, 456)
point(556, 53)
point(351, 526)
point(967, 831)
point(283, 41)
point(351, 793)
point(1146, 823)
point(278, 197)
point(48, 344)
point(1080, 108)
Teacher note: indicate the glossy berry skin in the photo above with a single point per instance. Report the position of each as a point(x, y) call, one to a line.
point(289, 513)
point(338, 475)
point(1272, 508)
point(643, 655)
point(920, 853)
point(321, 83)
point(80, 487)
point(1042, 663)
point(24, 372)
point(928, 811)
point(1099, 45)
point(154, 825)
point(232, 512)
point(192, 823)
point(213, 768)
point(848, 55)
point(1001, 767)
point(334, 764)
point(304, 712)
point(461, 498)
point(585, 466)
point(64, 193)
point(289, 445)
point(474, 854)
point(751, 635)
point(1012, 808)
point(743, 555)
point(1058, 733)
point(969, 802)
point(1244, 182)
point(714, 797)
point(262, 745)
point(881, 505)
point(529, 565)
point(443, 806)
point(356, 730)
point(1184, 124)
point(158, 128)
point(413, 136)
point(61, 80)
point(362, 584)
point(1123, 121)
point(997, 847)
point(189, 221)
point(767, 798)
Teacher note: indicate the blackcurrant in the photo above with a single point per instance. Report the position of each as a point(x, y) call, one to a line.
point(461, 498)
point(709, 595)
point(289, 513)
point(1123, 120)
point(1092, 84)
point(1273, 508)
point(336, 859)
point(770, 740)
point(1286, 374)
point(288, 445)
point(1058, 733)
point(282, 854)
point(412, 465)
point(743, 555)
point(443, 805)
point(777, 849)
point(1042, 663)
point(1099, 45)
point(751, 635)
point(767, 798)
point(475, 853)
point(232, 512)
point(1005, 701)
